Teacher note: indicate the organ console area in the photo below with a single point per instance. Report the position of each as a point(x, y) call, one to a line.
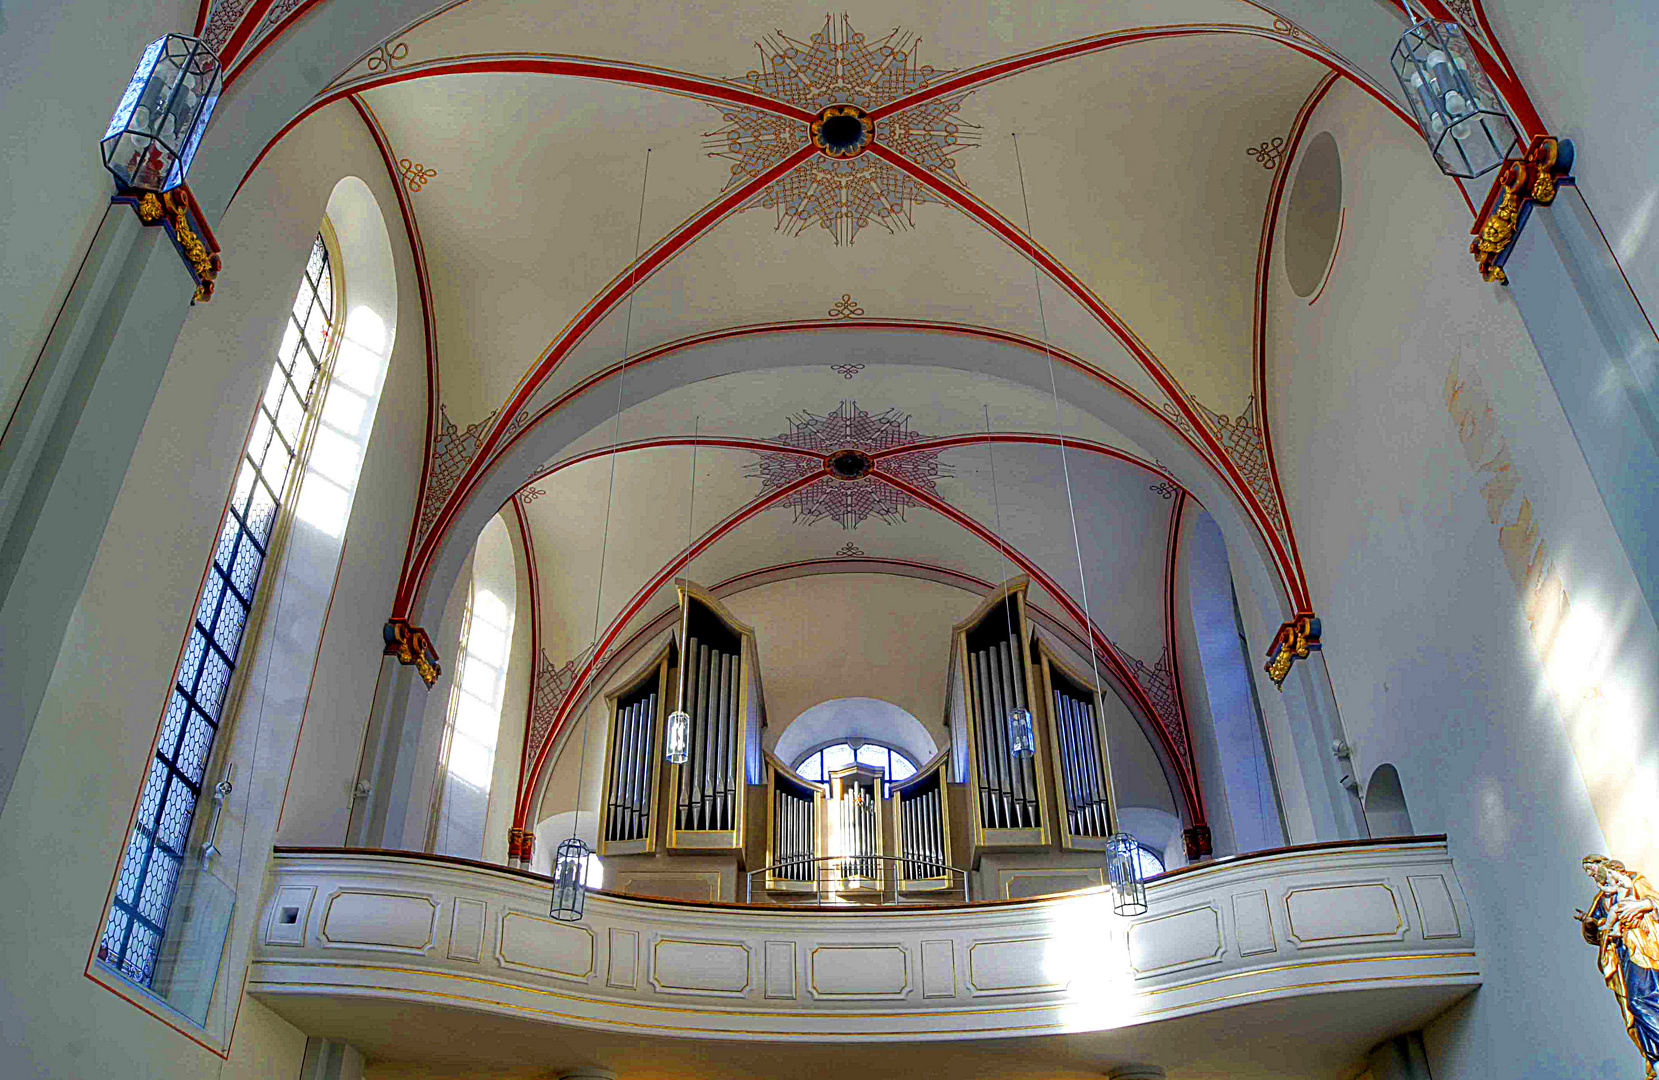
point(980, 820)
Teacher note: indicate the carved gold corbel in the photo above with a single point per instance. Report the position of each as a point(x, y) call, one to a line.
point(412, 646)
point(1295, 640)
point(1533, 178)
point(178, 212)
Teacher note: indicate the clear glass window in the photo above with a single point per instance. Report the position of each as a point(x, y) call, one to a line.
point(819, 764)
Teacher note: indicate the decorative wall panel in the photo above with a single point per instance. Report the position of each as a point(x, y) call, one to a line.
point(622, 959)
point(680, 966)
point(780, 969)
point(867, 972)
point(1253, 923)
point(1434, 906)
point(545, 946)
point(1015, 965)
point(466, 929)
point(938, 968)
point(1177, 941)
point(290, 907)
point(1322, 915)
point(379, 920)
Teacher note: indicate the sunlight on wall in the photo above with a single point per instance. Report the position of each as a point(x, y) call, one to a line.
point(1576, 640)
point(1088, 950)
point(343, 431)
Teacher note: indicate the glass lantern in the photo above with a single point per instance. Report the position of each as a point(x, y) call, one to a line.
point(1022, 737)
point(570, 880)
point(156, 128)
point(1126, 874)
point(677, 738)
point(1454, 101)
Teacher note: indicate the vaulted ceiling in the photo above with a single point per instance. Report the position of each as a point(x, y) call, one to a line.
point(635, 208)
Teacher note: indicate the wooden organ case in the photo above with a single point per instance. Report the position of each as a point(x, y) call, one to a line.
point(794, 830)
point(633, 758)
point(1037, 823)
point(708, 802)
point(1008, 794)
point(922, 805)
point(1086, 806)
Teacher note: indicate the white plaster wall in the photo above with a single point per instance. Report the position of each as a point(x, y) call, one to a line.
point(1425, 640)
point(63, 829)
point(66, 820)
point(1589, 69)
point(55, 188)
point(853, 635)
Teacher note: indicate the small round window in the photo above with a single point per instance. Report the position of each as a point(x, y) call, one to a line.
point(1315, 213)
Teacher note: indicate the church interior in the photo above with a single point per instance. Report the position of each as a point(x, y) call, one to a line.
point(691, 541)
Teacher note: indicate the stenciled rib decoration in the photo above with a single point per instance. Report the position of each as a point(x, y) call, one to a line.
point(1083, 788)
point(722, 697)
point(633, 758)
point(924, 830)
point(792, 834)
point(1007, 795)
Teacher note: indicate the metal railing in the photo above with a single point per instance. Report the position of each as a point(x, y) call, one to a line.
point(845, 879)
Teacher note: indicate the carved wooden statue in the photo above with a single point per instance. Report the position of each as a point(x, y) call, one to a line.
point(1623, 924)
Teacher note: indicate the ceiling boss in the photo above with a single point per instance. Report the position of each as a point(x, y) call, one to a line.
point(845, 80)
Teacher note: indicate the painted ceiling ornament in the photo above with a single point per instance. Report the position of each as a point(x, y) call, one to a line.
point(1241, 438)
point(849, 440)
point(1623, 924)
point(452, 451)
point(842, 77)
point(849, 550)
point(1158, 681)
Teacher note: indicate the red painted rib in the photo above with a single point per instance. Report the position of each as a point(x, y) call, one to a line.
point(623, 284)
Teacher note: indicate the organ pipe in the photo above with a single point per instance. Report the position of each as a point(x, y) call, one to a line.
point(630, 773)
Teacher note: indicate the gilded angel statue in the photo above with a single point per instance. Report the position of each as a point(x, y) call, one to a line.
point(1623, 924)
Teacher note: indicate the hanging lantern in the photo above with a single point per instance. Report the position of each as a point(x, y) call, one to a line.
point(1454, 101)
point(677, 739)
point(156, 128)
point(570, 880)
point(1022, 737)
point(1125, 874)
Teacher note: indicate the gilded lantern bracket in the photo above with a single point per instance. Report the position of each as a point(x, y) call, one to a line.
point(413, 647)
point(1295, 640)
point(177, 212)
point(1532, 178)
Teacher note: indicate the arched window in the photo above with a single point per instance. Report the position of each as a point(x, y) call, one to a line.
point(267, 481)
point(820, 763)
point(466, 759)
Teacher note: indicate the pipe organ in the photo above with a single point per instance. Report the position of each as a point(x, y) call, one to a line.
point(924, 831)
point(1008, 796)
point(719, 685)
point(793, 833)
point(632, 760)
point(855, 807)
point(1083, 770)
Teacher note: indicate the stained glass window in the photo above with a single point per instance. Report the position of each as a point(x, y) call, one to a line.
point(156, 848)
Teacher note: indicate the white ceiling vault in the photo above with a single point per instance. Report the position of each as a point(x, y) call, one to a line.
point(797, 289)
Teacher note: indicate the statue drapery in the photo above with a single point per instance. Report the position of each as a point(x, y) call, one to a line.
point(1623, 924)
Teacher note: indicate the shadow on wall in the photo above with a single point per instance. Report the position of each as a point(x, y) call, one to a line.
point(1385, 804)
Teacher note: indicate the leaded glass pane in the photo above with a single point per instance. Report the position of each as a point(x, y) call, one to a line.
point(228, 533)
point(261, 512)
point(175, 817)
point(244, 575)
point(187, 673)
point(227, 632)
point(192, 756)
point(178, 709)
point(184, 747)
